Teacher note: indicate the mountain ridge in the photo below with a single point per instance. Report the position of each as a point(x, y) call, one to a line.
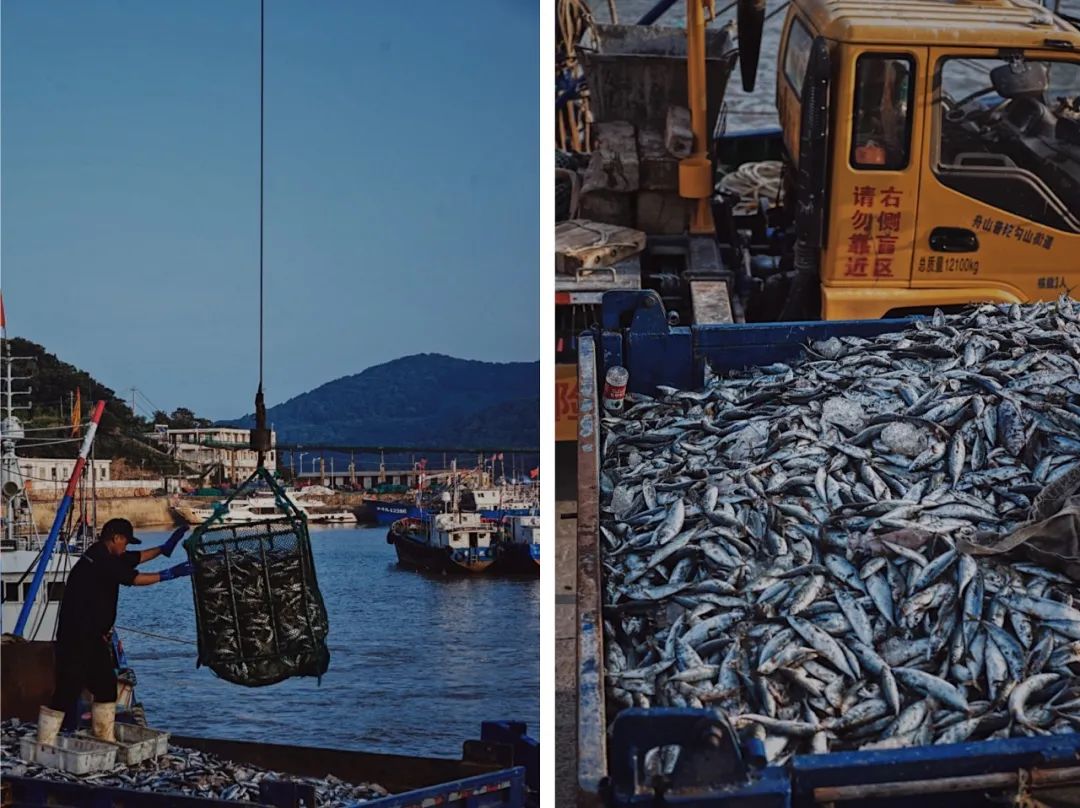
point(416, 400)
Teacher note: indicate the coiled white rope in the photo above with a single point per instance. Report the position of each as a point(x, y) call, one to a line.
point(753, 182)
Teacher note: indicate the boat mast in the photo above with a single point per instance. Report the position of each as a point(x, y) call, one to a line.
point(58, 522)
point(11, 431)
point(454, 483)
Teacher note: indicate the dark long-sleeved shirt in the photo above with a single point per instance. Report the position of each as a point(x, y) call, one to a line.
point(88, 608)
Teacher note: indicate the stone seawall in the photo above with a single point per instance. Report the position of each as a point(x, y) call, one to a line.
point(143, 512)
point(154, 511)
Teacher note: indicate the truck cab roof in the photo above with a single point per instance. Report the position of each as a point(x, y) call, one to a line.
point(971, 23)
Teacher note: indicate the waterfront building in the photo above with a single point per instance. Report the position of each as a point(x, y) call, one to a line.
point(57, 470)
point(205, 447)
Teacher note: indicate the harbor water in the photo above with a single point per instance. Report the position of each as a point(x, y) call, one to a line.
point(417, 661)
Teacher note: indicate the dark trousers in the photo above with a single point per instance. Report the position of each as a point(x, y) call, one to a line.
point(89, 664)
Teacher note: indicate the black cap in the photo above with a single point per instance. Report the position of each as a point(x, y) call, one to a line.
point(119, 527)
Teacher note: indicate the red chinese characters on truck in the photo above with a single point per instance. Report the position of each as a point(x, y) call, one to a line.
point(875, 228)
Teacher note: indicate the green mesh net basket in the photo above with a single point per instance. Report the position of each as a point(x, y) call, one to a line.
point(259, 614)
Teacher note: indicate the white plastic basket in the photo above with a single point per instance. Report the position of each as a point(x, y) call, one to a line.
point(133, 744)
point(156, 741)
point(74, 755)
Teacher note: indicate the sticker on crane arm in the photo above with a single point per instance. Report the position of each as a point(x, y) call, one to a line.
point(941, 263)
point(875, 228)
point(1016, 232)
point(566, 403)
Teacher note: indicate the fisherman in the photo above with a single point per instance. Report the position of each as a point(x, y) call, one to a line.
point(84, 653)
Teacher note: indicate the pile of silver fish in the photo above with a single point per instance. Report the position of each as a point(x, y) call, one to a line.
point(182, 771)
point(261, 617)
point(790, 546)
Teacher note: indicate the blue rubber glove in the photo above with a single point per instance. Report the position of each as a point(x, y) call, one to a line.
point(179, 571)
point(173, 540)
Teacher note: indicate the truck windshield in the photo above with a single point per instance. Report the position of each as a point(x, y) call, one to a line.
point(1009, 135)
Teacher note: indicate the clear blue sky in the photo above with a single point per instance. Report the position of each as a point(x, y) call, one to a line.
point(402, 202)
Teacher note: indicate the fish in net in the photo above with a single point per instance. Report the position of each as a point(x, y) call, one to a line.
point(260, 617)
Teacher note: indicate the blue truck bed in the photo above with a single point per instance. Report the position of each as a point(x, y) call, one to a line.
point(713, 770)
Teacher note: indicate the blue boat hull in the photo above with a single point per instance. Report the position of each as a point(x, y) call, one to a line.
point(415, 553)
point(386, 513)
point(517, 559)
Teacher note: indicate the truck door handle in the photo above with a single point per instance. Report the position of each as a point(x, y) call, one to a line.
point(953, 240)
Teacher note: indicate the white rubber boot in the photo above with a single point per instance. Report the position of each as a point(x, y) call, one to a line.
point(104, 718)
point(48, 725)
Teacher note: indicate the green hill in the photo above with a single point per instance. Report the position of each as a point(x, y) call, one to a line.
point(420, 400)
point(52, 383)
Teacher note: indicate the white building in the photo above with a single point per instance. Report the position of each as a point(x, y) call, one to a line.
point(205, 447)
point(43, 472)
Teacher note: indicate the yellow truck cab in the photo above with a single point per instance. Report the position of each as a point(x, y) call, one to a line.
point(928, 154)
point(936, 151)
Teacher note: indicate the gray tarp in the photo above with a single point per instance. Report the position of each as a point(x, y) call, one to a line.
point(1051, 538)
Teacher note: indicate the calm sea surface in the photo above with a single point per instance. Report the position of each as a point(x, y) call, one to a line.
point(417, 662)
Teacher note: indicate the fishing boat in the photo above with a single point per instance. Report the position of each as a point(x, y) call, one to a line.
point(493, 503)
point(329, 515)
point(35, 568)
point(20, 544)
point(262, 506)
point(385, 512)
point(454, 542)
point(517, 551)
point(385, 508)
point(497, 502)
point(20, 547)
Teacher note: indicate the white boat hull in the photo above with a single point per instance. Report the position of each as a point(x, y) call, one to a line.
point(41, 624)
point(258, 508)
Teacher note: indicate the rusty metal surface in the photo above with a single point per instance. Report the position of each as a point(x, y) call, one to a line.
point(396, 773)
point(640, 71)
point(944, 785)
point(26, 678)
point(711, 301)
point(592, 752)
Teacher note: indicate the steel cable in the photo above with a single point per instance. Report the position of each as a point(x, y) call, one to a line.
point(156, 636)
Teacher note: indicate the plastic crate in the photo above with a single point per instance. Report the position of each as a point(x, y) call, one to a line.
point(73, 755)
point(157, 740)
point(134, 744)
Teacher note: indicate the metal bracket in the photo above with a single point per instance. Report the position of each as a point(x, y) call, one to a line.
point(710, 756)
point(651, 348)
point(287, 794)
point(524, 750)
point(488, 753)
point(641, 310)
